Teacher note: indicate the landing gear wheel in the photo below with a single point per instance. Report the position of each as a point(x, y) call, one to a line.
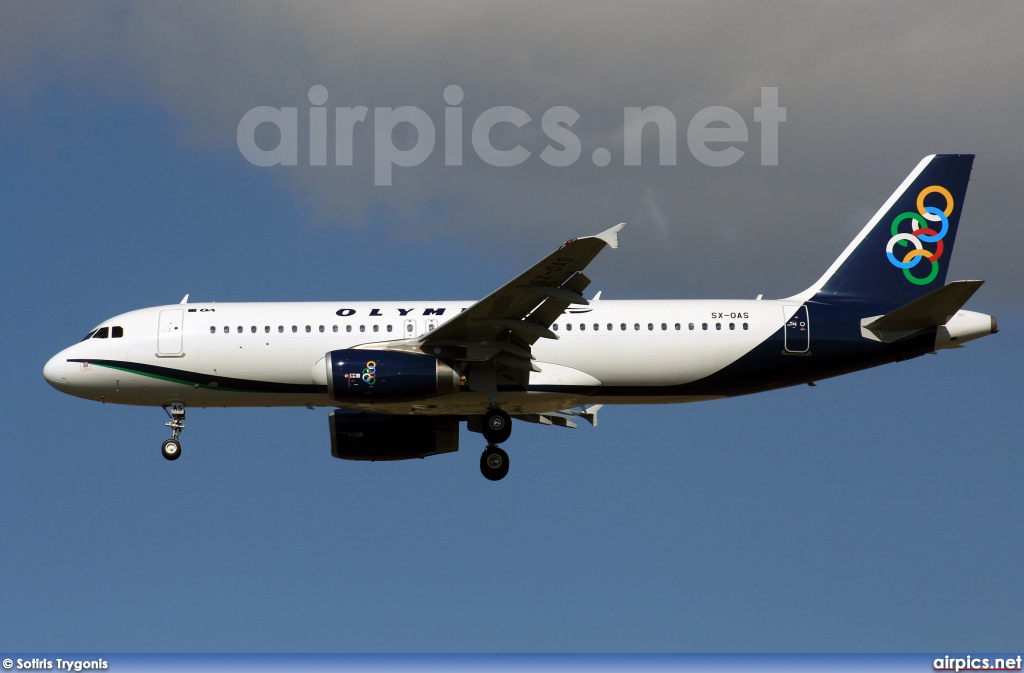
point(497, 426)
point(494, 463)
point(171, 449)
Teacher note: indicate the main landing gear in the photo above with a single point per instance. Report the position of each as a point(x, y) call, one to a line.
point(494, 463)
point(171, 448)
point(497, 428)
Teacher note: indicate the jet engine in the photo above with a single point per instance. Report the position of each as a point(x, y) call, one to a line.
point(361, 436)
point(371, 375)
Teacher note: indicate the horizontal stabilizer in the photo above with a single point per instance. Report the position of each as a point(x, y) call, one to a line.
point(932, 310)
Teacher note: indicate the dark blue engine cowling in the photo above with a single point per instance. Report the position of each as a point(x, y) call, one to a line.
point(358, 436)
point(368, 376)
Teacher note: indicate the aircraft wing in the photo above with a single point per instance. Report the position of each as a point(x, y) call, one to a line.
point(503, 325)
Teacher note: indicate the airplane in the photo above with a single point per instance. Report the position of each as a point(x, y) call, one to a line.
point(401, 376)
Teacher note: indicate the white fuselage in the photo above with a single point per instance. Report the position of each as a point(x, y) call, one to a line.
point(638, 343)
point(619, 343)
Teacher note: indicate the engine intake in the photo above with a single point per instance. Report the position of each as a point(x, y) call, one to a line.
point(370, 375)
point(359, 436)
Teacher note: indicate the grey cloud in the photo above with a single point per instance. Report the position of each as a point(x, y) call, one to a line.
point(869, 89)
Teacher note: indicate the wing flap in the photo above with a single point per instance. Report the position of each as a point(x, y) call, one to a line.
point(557, 293)
point(564, 418)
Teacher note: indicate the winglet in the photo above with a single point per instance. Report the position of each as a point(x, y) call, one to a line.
point(610, 236)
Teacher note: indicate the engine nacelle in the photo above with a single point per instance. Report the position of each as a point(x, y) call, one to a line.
point(359, 436)
point(367, 375)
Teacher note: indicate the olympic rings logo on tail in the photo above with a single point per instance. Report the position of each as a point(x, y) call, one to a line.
point(921, 232)
point(370, 373)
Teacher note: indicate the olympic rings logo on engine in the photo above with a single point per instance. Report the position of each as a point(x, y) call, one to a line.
point(370, 373)
point(921, 232)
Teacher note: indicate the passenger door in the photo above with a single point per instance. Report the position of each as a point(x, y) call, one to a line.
point(169, 335)
point(797, 335)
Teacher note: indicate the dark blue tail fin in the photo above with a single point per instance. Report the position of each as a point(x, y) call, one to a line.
point(903, 252)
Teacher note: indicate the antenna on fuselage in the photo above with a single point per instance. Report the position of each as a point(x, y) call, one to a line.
point(184, 300)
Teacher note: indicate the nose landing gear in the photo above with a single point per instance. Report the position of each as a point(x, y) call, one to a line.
point(171, 448)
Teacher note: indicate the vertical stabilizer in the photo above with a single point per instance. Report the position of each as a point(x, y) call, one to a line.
point(903, 252)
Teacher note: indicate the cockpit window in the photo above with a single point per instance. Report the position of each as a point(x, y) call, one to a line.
point(102, 333)
point(89, 335)
point(116, 332)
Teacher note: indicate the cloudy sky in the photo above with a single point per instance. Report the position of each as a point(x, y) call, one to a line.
point(846, 517)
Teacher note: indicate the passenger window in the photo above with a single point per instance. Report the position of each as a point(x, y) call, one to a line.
point(596, 327)
point(280, 329)
point(408, 328)
point(555, 327)
point(623, 327)
point(430, 326)
point(239, 329)
point(744, 325)
point(335, 328)
point(636, 326)
point(582, 327)
point(376, 328)
point(348, 328)
point(389, 328)
point(610, 328)
point(266, 329)
point(704, 325)
point(732, 325)
point(213, 330)
point(665, 327)
point(308, 329)
point(718, 325)
point(253, 329)
point(362, 328)
point(116, 332)
point(321, 329)
point(568, 327)
point(678, 327)
point(226, 329)
point(295, 328)
point(650, 327)
point(691, 325)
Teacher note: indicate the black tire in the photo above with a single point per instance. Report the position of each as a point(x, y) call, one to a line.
point(494, 463)
point(171, 449)
point(497, 426)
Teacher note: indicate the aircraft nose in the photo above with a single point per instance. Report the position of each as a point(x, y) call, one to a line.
point(56, 370)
